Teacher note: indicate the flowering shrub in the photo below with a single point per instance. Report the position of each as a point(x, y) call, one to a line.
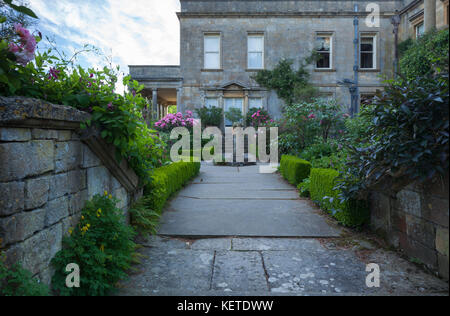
point(25, 72)
point(306, 124)
point(101, 244)
point(258, 118)
point(23, 50)
point(171, 121)
point(14, 55)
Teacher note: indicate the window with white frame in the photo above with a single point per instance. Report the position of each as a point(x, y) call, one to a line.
point(255, 103)
point(420, 29)
point(212, 51)
point(368, 52)
point(324, 50)
point(211, 102)
point(255, 51)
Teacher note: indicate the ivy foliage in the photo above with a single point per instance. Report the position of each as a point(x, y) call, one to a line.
point(290, 85)
point(423, 56)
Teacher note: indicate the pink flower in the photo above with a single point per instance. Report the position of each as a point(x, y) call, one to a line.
point(53, 73)
point(25, 51)
point(312, 116)
point(346, 115)
point(13, 48)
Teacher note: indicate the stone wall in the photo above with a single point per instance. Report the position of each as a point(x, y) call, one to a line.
point(415, 219)
point(47, 172)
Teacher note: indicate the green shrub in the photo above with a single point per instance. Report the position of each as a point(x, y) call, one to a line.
point(212, 116)
point(294, 169)
point(234, 116)
point(167, 180)
point(351, 213)
point(425, 54)
point(16, 281)
point(144, 219)
point(303, 187)
point(101, 244)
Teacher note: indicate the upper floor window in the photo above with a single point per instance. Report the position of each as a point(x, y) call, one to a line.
point(212, 51)
point(255, 51)
point(324, 49)
point(368, 52)
point(419, 29)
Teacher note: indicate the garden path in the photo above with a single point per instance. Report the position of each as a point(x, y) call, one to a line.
point(234, 231)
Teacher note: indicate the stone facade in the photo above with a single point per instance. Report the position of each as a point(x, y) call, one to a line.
point(415, 219)
point(47, 172)
point(289, 29)
point(413, 17)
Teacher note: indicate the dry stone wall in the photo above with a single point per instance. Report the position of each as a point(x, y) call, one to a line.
point(415, 219)
point(47, 172)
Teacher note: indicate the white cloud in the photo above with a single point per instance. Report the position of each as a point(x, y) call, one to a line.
point(136, 32)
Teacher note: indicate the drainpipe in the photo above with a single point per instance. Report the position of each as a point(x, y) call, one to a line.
point(355, 89)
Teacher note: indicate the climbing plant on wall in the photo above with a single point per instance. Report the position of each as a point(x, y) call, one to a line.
point(292, 86)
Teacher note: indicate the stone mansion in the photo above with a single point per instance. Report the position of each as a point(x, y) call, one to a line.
point(225, 42)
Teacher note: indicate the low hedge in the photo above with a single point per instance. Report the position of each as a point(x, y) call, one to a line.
point(294, 169)
point(167, 180)
point(352, 213)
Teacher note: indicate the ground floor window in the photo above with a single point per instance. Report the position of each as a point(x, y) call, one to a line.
point(420, 29)
point(212, 102)
point(233, 106)
point(255, 103)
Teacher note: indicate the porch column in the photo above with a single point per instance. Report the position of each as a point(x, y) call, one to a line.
point(429, 15)
point(245, 109)
point(155, 103)
point(179, 95)
point(222, 106)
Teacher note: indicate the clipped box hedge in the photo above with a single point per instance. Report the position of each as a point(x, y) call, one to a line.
point(168, 180)
point(353, 213)
point(294, 169)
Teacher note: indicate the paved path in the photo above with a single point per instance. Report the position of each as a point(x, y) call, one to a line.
point(230, 201)
point(266, 241)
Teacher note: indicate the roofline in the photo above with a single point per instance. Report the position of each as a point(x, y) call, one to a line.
point(162, 66)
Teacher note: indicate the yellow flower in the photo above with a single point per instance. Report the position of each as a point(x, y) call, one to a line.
point(70, 231)
point(82, 217)
point(102, 248)
point(110, 196)
point(106, 193)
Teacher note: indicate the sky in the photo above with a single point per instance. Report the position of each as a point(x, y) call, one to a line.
point(132, 32)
